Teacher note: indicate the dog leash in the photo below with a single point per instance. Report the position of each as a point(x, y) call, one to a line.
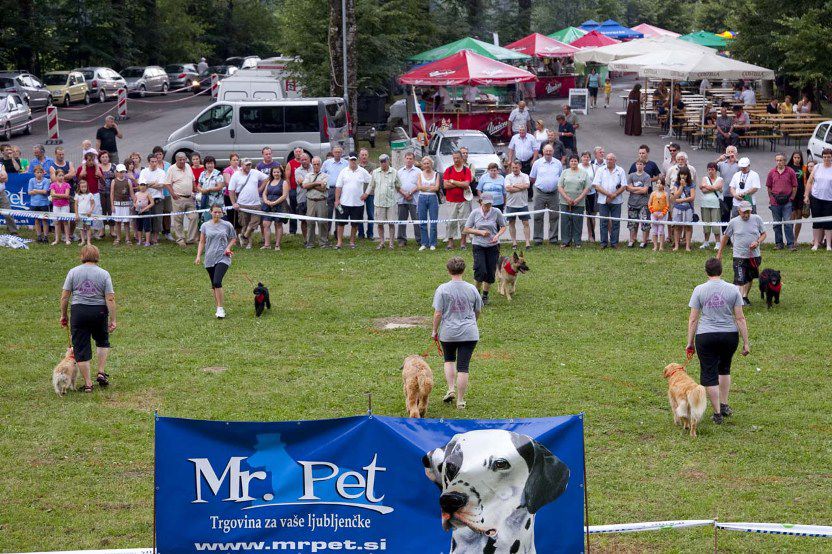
point(689, 354)
point(426, 353)
point(244, 274)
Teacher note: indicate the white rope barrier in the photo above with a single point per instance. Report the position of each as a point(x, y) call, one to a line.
point(648, 526)
point(779, 529)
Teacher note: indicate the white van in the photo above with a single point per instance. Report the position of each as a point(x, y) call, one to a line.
point(250, 85)
point(314, 124)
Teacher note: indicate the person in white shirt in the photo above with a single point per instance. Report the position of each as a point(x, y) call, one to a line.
point(407, 198)
point(609, 183)
point(202, 66)
point(245, 189)
point(747, 96)
point(523, 148)
point(471, 93)
point(519, 117)
point(744, 185)
point(349, 199)
point(517, 185)
point(704, 86)
point(154, 177)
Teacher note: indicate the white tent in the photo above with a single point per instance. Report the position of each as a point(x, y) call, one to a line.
point(690, 65)
point(638, 47)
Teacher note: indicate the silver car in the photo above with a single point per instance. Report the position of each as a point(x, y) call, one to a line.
point(141, 80)
point(102, 82)
point(15, 116)
point(481, 152)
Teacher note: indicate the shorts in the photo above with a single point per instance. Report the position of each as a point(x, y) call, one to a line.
point(682, 216)
point(157, 210)
point(39, 208)
point(144, 224)
point(459, 352)
point(382, 213)
point(524, 217)
point(638, 213)
point(85, 322)
point(485, 263)
point(216, 274)
point(121, 213)
point(593, 92)
point(60, 209)
point(745, 271)
point(590, 204)
point(352, 213)
point(715, 351)
point(821, 208)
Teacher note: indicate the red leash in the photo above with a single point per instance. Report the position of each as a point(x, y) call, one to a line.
point(438, 346)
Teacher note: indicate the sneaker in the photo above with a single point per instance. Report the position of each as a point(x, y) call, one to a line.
point(423, 248)
point(433, 248)
point(716, 246)
point(450, 396)
point(642, 245)
point(778, 247)
point(484, 299)
point(630, 244)
point(460, 405)
point(725, 410)
point(717, 418)
point(814, 247)
point(170, 237)
point(746, 301)
point(220, 313)
point(705, 246)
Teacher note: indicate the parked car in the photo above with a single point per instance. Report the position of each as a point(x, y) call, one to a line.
point(29, 87)
point(143, 79)
point(243, 62)
point(821, 138)
point(314, 124)
point(182, 76)
point(102, 82)
point(222, 72)
point(15, 115)
point(480, 150)
point(67, 87)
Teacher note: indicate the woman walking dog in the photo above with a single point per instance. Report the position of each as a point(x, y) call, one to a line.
point(487, 224)
point(216, 238)
point(90, 291)
point(457, 305)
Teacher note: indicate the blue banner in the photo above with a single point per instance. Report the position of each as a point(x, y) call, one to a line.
point(371, 483)
point(16, 188)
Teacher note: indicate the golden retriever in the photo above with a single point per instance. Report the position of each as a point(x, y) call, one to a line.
point(418, 382)
point(688, 400)
point(65, 373)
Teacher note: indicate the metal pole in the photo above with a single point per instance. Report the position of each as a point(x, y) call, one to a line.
point(344, 49)
point(586, 495)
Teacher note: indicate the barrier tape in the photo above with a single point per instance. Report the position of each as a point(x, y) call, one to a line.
point(779, 529)
point(648, 526)
point(94, 217)
point(203, 91)
point(27, 123)
point(99, 116)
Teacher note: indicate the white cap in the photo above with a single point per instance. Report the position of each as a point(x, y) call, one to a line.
point(121, 167)
point(744, 162)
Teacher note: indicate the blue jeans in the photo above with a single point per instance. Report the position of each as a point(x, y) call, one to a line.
point(609, 228)
point(783, 213)
point(428, 208)
point(371, 208)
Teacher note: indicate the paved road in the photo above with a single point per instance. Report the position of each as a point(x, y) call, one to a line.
point(152, 120)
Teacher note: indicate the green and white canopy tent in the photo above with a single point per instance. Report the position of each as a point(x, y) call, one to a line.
point(473, 45)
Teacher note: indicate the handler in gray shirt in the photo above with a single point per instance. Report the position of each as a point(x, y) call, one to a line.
point(487, 224)
point(216, 239)
point(457, 307)
point(747, 234)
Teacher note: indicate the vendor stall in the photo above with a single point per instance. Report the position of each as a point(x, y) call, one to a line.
point(474, 110)
point(552, 79)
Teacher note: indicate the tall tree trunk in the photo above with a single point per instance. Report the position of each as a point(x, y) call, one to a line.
point(336, 54)
point(524, 17)
point(475, 12)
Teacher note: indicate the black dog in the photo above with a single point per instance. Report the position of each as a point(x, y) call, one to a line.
point(770, 285)
point(261, 299)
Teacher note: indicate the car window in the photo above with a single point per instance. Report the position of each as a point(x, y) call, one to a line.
point(820, 134)
point(132, 72)
point(54, 79)
point(301, 119)
point(5, 82)
point(264, 95)
point(215, 118)
point(11, 104)
point(35, 82)
point(88, 74)
point(262, 119)
point(336, 115)
point(173, 68)
point(434, 144)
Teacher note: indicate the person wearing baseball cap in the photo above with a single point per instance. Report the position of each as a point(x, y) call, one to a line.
point(486, 224)
point(121, 200)
point(747, 233)
point(244, 190)
point(384, 182)
point(743, 186)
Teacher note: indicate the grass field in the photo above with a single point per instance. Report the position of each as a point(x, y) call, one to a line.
point(588, 331)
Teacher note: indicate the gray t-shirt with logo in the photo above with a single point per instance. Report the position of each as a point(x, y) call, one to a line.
point(217, 237)
point(492, 222)
point(743, 233)
point(459, 303)
point(636, 180)
point(716, 301)
point(89, 285)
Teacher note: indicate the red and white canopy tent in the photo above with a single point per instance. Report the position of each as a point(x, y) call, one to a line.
point(465, 68)
point(541, 46)
point(593, 39)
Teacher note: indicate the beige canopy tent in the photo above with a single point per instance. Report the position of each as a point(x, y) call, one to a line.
point(638, 47)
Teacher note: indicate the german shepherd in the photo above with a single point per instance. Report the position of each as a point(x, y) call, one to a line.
point(507, 270)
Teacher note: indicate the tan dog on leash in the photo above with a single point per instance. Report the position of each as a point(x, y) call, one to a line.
point(65, 373)
point(418, 382)
point(688, 401)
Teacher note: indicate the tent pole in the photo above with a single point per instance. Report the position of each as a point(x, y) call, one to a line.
point(672, 106)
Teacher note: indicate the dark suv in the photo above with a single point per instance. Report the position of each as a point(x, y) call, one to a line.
point(102, 82)
point(29, 87)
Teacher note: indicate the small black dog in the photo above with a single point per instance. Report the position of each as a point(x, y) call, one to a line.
point(770, 285)
point(261, 299)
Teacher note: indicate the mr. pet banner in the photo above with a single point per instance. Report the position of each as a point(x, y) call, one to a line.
point(370, 483)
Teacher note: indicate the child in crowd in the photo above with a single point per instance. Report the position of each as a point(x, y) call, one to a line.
point(658, 207)
point(121, 197)
point(38, 190)
point(143, 203)
point(84, 205)
point(607, 92)
point(59, 194)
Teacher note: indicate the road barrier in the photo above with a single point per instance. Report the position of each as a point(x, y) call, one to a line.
point(52, 126)
point(122, 104)
point(215, 85)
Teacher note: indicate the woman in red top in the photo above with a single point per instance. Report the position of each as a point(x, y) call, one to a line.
point(457, 182)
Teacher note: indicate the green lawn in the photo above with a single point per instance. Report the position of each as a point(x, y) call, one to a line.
point(587, 331)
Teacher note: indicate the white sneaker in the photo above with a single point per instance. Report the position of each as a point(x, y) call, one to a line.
point(220, 313)
point(422, 248)
point(170, 237)
point(433, 248)
point(705, 245)
point(716, 246)
point(814, 247)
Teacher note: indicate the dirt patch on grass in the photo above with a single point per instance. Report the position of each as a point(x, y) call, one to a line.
point(142, 401)
point(215, 369)
point(693, 474)
point(400, 322)
point(492, 355)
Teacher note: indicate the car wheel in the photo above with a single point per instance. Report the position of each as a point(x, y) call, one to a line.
point(7, 131)
point(28, 129)
point(86, 98)
point(142, 91)
point(164, 88)
point(102, 96)
point(66, 101)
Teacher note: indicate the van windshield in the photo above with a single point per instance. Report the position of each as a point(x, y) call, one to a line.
point(336, 115)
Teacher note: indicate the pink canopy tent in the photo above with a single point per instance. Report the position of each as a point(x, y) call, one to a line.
point(650, 31)
point(541, 46)
point(465, 68)
point(593, 39)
